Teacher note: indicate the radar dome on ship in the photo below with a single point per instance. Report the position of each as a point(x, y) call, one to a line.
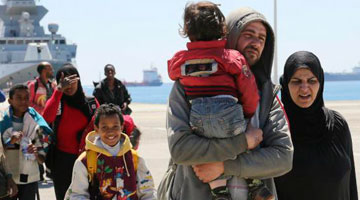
point(24, 42)
point(53, 28)
point(25, 15)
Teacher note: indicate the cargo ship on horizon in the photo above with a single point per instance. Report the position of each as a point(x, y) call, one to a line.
point(352, 76)
point(151, 77)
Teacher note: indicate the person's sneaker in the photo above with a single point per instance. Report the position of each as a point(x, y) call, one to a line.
point(263, 193)
point(258, 191)
point(221, 193)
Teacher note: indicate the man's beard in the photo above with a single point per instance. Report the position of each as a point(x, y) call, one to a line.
point(251, 58)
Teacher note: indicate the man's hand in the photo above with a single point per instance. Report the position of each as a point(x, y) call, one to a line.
point(209, 171)
point(123, 106)
point(65, 82)
point(253, 136)
point(33, 149)
point(16, 137)
point(12, 188)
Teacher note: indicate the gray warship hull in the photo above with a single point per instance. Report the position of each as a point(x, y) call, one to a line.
point(26, 71)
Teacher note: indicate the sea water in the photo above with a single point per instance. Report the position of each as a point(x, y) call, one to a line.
point(333, 91)
point(342, 90)
point(144, 94)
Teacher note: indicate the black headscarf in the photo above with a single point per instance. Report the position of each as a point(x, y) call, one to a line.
point(312, 124)
point(78, 100)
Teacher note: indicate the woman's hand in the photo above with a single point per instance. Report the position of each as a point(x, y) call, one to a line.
point(65, 82)
point(209, 171)
point(253, 136)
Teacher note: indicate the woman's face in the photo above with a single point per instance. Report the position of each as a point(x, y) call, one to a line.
point(303, 87)
point(71, 90)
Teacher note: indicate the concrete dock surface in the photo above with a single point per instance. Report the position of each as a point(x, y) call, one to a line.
point(150, 118)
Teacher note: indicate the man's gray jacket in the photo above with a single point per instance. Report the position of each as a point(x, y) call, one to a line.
point(272, 159)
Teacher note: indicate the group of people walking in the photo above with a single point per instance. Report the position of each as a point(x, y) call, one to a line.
point(229, 135)
point(54, 122)
point(289, 149)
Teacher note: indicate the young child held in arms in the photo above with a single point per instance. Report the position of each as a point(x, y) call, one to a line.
point(25, 137)
point(218, 83)
point(109, 169)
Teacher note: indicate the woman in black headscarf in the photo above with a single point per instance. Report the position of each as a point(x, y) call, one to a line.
point(323, 165)
point(70, 112)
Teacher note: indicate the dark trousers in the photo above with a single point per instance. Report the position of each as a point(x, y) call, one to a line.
point(42, 171)
point(62, 172)
point(26, 191)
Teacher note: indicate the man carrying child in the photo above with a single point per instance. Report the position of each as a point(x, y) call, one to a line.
point(220, 88)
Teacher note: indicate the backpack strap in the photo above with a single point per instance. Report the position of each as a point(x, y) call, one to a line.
point(135, 157)
point(91, 102)
point(91, 162)
point(36, 85)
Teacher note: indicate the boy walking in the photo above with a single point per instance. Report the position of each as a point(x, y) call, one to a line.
point(25, 136)
point(109, 169)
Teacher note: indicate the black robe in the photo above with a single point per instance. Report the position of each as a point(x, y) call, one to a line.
point(322, 170)
point(323, 163)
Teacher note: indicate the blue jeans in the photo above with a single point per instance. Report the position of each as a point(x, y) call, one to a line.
point(217, 117)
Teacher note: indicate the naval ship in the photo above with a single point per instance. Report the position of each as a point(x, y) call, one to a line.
point(23, 42)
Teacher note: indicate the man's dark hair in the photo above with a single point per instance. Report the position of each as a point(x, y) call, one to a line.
point(109, 66)
point(17, 87)
point(41, 66)
point(108, 110)
point(203, 21)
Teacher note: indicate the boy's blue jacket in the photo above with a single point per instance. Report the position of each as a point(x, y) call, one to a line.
point(6, 122)
point(25, 170)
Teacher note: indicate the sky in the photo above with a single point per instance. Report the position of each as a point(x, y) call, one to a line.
point(135, 35)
